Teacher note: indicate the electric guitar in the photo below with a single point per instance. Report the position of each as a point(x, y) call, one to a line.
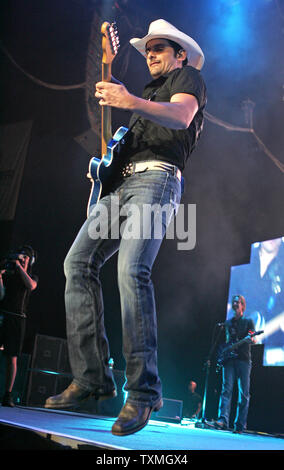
point(102, 170)
point(227, 352)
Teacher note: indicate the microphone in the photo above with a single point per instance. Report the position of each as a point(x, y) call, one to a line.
point(221, 324)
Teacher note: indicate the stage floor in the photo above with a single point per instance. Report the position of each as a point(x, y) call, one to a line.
point(80, 430)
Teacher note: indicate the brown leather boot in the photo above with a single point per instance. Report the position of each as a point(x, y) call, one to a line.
point(74, 396)
point(133, 418)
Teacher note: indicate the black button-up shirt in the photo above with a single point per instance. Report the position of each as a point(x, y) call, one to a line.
point(150, 141)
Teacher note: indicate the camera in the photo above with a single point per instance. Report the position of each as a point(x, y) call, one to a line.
point(8, 263)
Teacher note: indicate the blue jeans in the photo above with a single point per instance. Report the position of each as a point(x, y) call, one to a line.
point(235, 369)
point(87, 340)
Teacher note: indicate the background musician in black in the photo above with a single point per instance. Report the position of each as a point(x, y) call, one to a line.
point(193, 401)
point(237, 368)
point(16, 284)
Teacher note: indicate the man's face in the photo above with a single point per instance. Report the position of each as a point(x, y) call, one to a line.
point(238, 308)
point(24, 260)
point(161, 58)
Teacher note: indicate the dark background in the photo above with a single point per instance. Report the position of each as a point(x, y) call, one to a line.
point(237, 188)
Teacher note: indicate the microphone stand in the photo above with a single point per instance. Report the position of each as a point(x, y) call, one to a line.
point(202, 424)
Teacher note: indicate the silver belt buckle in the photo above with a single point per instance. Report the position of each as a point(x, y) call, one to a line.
point(127, 170)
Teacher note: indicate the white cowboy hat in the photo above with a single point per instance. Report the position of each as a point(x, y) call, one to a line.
point(164, 30)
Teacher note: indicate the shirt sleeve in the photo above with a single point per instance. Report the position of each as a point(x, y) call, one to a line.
point(188, 80)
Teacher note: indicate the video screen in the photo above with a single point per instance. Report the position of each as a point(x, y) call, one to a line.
point(261, 282)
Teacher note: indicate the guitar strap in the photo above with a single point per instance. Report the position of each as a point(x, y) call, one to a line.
point(153, 94)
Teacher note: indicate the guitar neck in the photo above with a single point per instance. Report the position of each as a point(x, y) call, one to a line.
point(106, 112)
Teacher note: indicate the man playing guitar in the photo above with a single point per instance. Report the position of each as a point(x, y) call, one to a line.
point(237, 367)
point(165, 127)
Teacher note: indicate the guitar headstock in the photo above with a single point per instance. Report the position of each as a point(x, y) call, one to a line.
point(110, 42)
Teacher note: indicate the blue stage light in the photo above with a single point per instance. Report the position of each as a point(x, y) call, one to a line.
point(233, 21)
point(230, 28)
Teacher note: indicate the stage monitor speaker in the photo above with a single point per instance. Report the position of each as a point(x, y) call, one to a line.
point(41, 386)
point(170, 412)
point(50, 354)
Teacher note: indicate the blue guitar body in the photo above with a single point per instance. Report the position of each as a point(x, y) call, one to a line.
point(102, 171)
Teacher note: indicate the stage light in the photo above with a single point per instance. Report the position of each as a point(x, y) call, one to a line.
point(51, 372)
point(230, 28)
point(233, 22)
